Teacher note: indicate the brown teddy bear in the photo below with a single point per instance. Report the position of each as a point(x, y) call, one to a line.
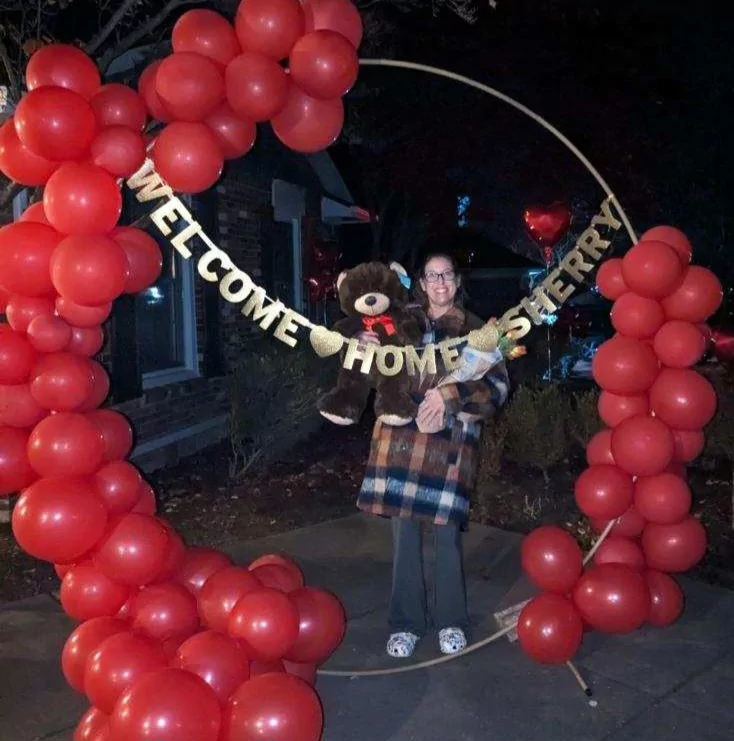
point(373, 297)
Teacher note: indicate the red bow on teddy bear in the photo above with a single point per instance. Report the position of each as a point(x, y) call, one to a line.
point(370, 321)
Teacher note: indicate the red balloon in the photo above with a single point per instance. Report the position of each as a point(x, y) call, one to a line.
point(258, 668)
point(165, 612)
point(92, 727)
point(178, 701)
point(117, 434)
point(306, 672)
point(697, 298)
point(147, 90)
point(629, 525)
point(269, 27)
point(147, 504)
point(15, 470)
point(217, 659)
point(673, 238)
point(119, 105)
point(551, 558)
point(679, 344)
point(89, 269)
point(144, 258)
point(189, 85)
point(206, 33)
point(65, 444)
point(279, 560)
point(341, 16)
point(116, 664)
point(82, 199)
point(678, 469)
point(221, 592)
point(18, 408)
point(604, 492)
point(86, 593)
point(652, 269)
point(175, 554)
point(87, 341)
point(64, 66)
point(666, 599)
point(55, 123)
point(637, 316)
point(117, 484)
point(278, 577)
point(609, 279)
point(62, 381)
point(321, 625)
point(48, 333)
point(188, 156)
point(118, 150)
point(308, 125)
point(82, 642)
point(18, 162)
point(664, 498)
point(100, 388)
point(199, 565)
point(267, 621)
point(17, 356)
point(683, 399)
point(675, 547)
point(614, 409)
point(35, 212)
point(285, 705)
point(25, 254)
point(617, 549)
point(82, 316)
point(58, 520)
point(689, 445)
point(257, 87)
point(625, 366)
point(22, 310)
point(550, 629)
point(642, 446)
point(236, 136)
point(324, 64)
point(599, 449)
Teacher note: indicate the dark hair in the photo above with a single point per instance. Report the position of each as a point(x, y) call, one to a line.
point(419, 294)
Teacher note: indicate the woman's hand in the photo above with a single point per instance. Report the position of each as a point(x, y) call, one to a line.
point(368, 338)
point(432, 409)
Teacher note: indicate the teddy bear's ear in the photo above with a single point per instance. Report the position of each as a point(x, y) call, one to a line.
point(402, 274)
point(341, 277)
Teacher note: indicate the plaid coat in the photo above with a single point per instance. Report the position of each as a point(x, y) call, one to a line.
point(429, 476)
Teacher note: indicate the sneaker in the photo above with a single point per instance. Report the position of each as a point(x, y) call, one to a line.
point(401, 645)
point(451, 640)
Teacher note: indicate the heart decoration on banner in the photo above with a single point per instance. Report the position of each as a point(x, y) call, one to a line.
point(547, 225)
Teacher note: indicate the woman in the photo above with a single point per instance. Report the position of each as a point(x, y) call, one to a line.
point(416, 477)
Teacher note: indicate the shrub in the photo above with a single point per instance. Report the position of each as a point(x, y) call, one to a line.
point(492, 449)
point(583, 420)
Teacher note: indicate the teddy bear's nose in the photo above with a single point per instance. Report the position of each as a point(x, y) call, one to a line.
point(371, 300)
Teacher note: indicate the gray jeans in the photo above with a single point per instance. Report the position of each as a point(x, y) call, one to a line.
point(408, 604)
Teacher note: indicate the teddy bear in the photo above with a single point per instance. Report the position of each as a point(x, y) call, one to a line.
point(373, 297)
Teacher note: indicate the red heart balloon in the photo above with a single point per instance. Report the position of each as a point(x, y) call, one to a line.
point(547, 224)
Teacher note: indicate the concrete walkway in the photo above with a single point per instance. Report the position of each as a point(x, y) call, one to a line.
point(672, 684)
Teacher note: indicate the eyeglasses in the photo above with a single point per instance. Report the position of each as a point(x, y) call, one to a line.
point(447, 275)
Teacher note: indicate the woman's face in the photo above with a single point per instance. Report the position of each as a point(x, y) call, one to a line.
point(440, 282)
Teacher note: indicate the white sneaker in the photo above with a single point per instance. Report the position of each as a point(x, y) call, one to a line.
point(451, 640)
point(401, 645)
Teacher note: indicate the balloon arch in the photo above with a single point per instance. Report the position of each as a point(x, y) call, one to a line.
point(180, 634)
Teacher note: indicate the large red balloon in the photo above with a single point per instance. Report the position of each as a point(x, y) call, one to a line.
point(22, 310)
point(117, 484)
point(82, 642)
point(64, 66)
point(267, 622)
point(206, 33)
point(82, 316)
point(637, 316)
point(86, 593)
point(175, 555)
point(599, 449)
point(269, 27)
point(551, 558)
point(18, 162)
point(221, 592)
point(257, 87)
point(217, 659)
point(116, 664)
point(630, 524)
point(17, 356)
point(15, 470)
point(172, 699)
point(683, 399)
point(625, 366)
point(613, 598)
point(664, 498)
point(689, 445)
point(118, 150)
point(87, 341)
point(673, 238)
point(188, 156)
point(679, 344)
point(666, 599)
point(284, 704)
point(697, 298)
point(199, 565)
point(321, 625)
point(49, 333)
point(119, 105)
point(100, 388)
point(25, 255)
point(236, 136)
point(116, 431)
point(643, 445)
point(674, 548)
point(147, 90)
point(614, 408)
point(144, 258)
point(189, 85)
point(62, 381)
point(550, 629)
point(341, 16)
point(604, 492)
point(278, 559)
point(618, 549)
point(18, 408)
point(652, 269)
point(306, 124)
point(65, 444)
point(58, 520)
point(82, 199)
point(147, 505)
point(91, 270)
point(93, 726)
point(55, 123)
point(277, 576)
point(609, 279)
point(165, 612)
point(324, 64)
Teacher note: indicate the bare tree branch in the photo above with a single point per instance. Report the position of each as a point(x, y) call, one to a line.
point(126, 6)
point(13, 84)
